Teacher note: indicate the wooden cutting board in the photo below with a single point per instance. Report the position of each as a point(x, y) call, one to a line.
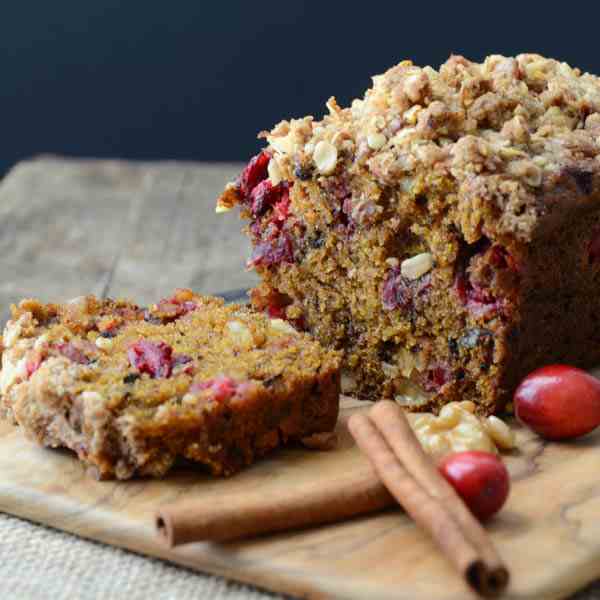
point(549, 532)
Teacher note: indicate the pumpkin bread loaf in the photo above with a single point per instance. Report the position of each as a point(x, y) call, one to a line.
point(443, 231)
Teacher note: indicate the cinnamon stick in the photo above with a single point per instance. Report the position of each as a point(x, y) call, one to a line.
point(411, 477)
point(236, 516)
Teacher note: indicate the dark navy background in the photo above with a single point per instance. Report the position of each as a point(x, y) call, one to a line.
point(196, 80)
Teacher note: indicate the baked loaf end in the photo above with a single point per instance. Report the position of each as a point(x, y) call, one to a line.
point(443, 231)
point(131, 389)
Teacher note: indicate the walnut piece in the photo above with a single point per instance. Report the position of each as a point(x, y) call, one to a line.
point(458, 429)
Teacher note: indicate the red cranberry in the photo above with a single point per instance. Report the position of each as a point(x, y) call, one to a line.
point(171, 309)
point(255, 228)
point(254, 173)
point(559, 402)
point(72, 352)
point(299, 323)
point(274, 252)
point(281, 210)
point(437, 376)
point(480, 479)
point(154, 358)
point(400, 292)
point(478, 300)
point(222, 387)
point(276, 312)
point(265, 195)
point(262, 197)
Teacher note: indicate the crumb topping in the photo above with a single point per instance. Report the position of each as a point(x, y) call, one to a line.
point(502, 131)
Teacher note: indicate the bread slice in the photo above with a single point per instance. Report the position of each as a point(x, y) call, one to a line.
point(131, 389)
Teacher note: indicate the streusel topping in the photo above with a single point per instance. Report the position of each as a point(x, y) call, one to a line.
point(504, 129)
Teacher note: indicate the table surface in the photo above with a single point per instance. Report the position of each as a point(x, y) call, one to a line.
point(114, 228)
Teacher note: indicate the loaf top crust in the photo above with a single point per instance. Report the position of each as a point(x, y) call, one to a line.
point(519, 136)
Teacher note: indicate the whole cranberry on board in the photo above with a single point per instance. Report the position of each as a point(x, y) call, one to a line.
point(559, 402)
point(479, 478)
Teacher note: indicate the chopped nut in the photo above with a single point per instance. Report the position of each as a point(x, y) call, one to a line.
point(347, 383)
point(228, 199)
point(511, 152)
point(500, 432)
point(240, 333)
point(222, 208)
point(332, 106)
point(412, 114)
point(12, 372)
point(392, 262)
point(471, 436)
point(376, 140)
point(457, 429)
point(411, 395)
point(274, 171)
point(94, 409)
point(41, 342)
point(415, 86)
point(104, 343)
point(416, 266)
point(449, 416)
point(408, 362)
point(468, 405)
point(390, 370)
point(11, 333)
point(526, 170)
point(436, 445)
point(189, 399)
point(79, 302)
point(282, 326)
point(325, 157)
point(284, 144)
